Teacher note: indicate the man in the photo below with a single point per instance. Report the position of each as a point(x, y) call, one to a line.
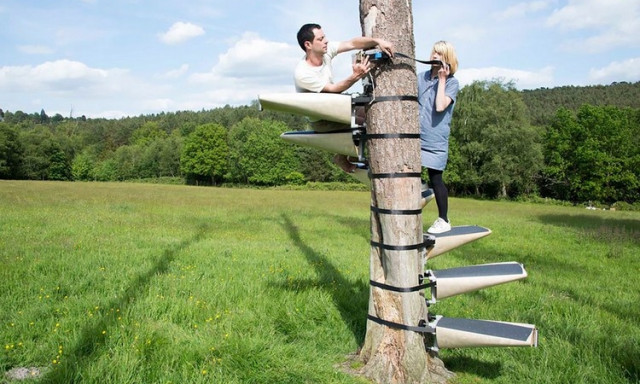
point(314, 72)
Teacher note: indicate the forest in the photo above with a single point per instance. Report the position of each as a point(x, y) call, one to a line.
point(579, 145)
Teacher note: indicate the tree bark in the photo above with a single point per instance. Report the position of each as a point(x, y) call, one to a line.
point(392, 355)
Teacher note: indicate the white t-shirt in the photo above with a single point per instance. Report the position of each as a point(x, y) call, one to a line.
point(313, 79)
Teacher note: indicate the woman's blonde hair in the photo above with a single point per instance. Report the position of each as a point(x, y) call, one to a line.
point(448, 53)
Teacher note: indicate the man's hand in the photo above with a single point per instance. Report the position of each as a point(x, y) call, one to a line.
point(360, 69)
point(386, 47)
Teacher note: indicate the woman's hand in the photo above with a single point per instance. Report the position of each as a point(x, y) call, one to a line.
point(444, 71)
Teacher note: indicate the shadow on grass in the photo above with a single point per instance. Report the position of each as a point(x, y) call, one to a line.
point(608, 229)
point(473, 366)
point(91, 337)
point(360, 227)
point(350, 298)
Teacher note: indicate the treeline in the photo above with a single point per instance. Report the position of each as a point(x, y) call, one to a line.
point(544, 102)
point(587, 154)
point(576, 144)
point(225, 145)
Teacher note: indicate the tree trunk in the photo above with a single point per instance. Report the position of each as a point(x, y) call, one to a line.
point(392, 355)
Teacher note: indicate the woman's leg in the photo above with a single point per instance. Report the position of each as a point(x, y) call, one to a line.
point(440, 190)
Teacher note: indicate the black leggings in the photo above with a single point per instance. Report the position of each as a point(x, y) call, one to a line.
point(440, 191)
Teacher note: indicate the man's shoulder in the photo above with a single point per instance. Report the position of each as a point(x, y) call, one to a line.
point(302, 68)
point(332, 47)
point(306, 77)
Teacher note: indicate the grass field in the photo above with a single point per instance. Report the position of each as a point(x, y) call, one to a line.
point(139, 283)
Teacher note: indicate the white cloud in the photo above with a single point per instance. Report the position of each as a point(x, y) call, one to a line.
point(628, 70)
point(59, 76)
point(181, 32)
point(587, 14)
point(65, 82)
point(251, 66)
point(608, 24)
point(522, 79)
point(254, 59)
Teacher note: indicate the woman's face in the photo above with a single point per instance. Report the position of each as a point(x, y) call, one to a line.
point(436, 56)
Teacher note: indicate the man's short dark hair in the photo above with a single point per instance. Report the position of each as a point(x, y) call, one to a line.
point(306, 34)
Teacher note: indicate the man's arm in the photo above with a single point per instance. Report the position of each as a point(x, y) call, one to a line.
point(360, 70)
point(364, 42)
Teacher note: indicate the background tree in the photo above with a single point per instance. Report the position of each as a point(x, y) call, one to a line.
point(259, 156)
point(238, 136)
point(169, 150)
point(148, 132)
point(59, 164)
point(47, 157)
point(127, 161)
point(318, 165)
point(500, 152)
point(11, 153)
point(452, 177)
point(467, 125)
point(106, 170)
point(83, 165)
point(205, 153)
point(593, 155)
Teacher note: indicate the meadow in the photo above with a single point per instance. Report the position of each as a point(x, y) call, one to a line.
point(142, 283)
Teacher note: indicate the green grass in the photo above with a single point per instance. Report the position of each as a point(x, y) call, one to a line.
point(142, 283)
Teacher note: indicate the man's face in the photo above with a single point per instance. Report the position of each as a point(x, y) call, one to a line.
point(319, 44)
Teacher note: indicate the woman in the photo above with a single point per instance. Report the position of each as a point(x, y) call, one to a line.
point(437, 91)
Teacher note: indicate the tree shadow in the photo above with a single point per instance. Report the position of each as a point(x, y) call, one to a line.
point(360, 227)
point(350, 298)
point(91, 338)
point(484, 369)
point(608, 229)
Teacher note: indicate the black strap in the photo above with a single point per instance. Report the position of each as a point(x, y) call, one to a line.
point(389, 247)
point(378, 99)
point(396, 211)
point(369, 136)
point(368, 99)
point(428, 62)
point(399, 289)
point(344, 130)
point(361, 100)
point(391, 324)
point(396, 175)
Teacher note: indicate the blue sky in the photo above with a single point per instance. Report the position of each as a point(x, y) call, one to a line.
point(115, 58)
